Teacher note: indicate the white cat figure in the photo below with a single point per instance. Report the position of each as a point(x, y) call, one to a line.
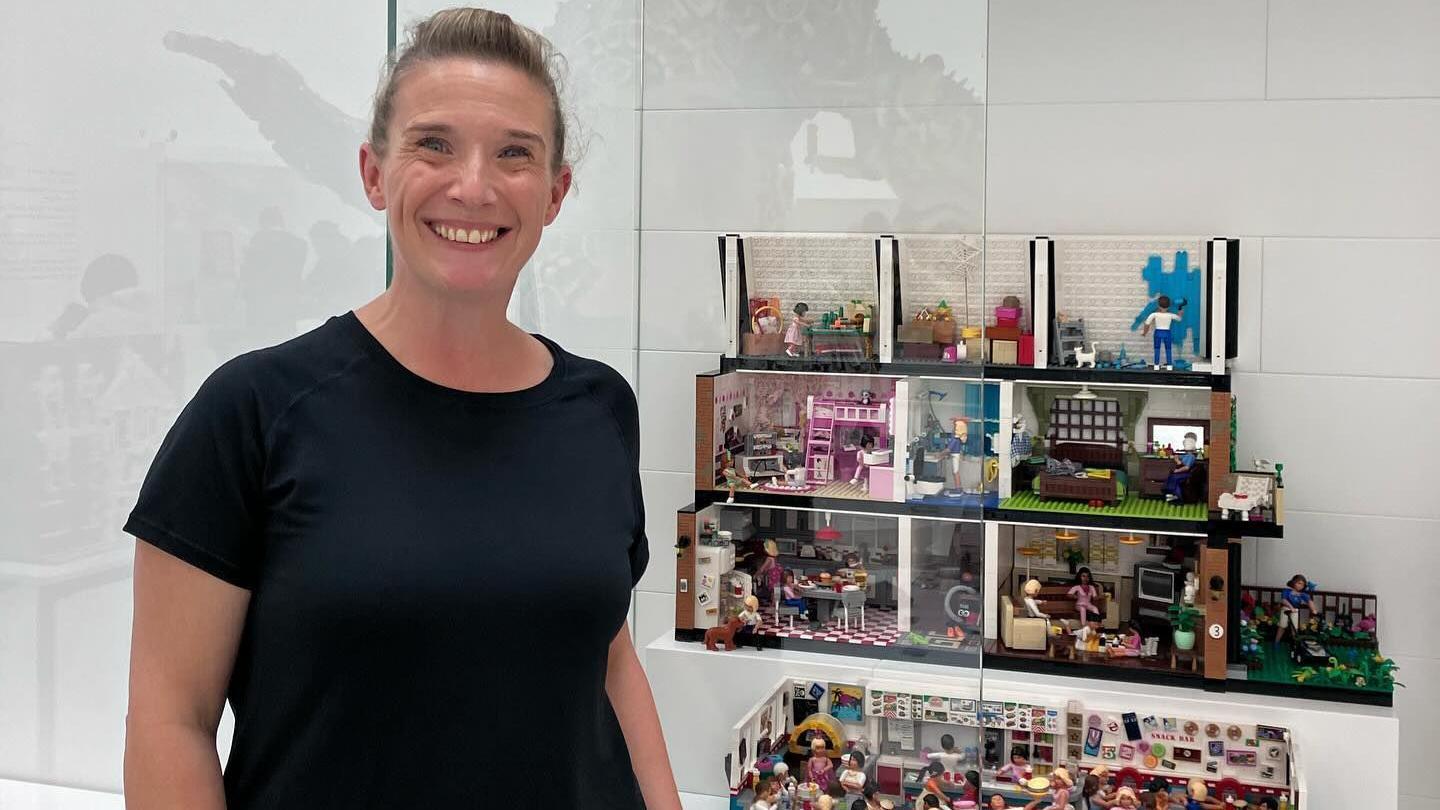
point(1084, 358)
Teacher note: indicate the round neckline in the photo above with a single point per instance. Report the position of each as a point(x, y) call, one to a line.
point(524, 397)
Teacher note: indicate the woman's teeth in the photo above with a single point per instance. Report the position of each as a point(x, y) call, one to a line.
point(472, 236)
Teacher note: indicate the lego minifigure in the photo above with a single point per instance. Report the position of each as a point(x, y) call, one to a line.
point(933, 784)
point(1019, 441)
point(767, 796)
point(1019, 768)
point(786, 783)
point(1032, 604)
point(750, 619)
point(1197, 797)
point(818, 767)
point(852, 777)
point(1184, 462)
point(950, 756)
point(956, 446)
point(733, 478)
point(1125, 797)
point(866, 445)
point(1162, 319)
point(1085, 593)
point(795, 333)
point(1297, 596)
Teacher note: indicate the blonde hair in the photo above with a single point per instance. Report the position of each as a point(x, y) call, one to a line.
point(479, 35)
point(1198, 790)
point(1032, 587)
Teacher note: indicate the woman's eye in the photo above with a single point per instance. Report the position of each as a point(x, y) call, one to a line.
point(433, 144)
point(515, 151)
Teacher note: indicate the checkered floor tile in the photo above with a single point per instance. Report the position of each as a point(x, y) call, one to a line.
point(882, 628)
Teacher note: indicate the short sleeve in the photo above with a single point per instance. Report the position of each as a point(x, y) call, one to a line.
point(201, 499)
point(611, 390)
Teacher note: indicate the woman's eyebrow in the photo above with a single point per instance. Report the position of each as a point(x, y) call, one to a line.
point(524, 135)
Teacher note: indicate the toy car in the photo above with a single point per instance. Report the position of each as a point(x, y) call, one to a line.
point(1308, 651)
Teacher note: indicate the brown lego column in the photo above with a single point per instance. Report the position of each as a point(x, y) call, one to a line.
point(1219, 451)
point(685, 571)
point(1215, 562)
point(704, 432)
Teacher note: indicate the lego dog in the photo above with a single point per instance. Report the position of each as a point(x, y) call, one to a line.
point(724, 633)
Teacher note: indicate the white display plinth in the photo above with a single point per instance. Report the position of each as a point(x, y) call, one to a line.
point(1347, 755)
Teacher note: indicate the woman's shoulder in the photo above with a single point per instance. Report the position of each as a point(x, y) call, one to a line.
point(274, 377)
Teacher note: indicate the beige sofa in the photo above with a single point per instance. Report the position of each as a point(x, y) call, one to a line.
point(1020, 632)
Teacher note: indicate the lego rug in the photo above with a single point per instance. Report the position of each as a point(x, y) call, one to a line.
point(1133, 507)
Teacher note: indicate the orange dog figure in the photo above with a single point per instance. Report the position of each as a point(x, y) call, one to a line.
point(725, 633)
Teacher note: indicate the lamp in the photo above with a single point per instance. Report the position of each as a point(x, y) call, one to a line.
point(1066, 536)
point(1085, 393)
point(1132, 539)
point(829, 533)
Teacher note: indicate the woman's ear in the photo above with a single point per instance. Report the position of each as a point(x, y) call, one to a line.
point(371, 177)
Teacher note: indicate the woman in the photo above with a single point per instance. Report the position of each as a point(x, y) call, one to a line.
point(1086, 595)
point(354, 536)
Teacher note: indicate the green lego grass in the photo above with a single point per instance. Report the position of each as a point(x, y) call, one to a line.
point(1132, 507)
point(1278, 668)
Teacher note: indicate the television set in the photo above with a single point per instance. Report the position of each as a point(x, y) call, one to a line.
point(1156, 589)
point(1165, 432)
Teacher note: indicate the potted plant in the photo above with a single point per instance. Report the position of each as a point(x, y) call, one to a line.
point(1073, 556)
point(1182, 621)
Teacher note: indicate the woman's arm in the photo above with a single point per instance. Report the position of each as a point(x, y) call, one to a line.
point(634, 705)
point(186, 630)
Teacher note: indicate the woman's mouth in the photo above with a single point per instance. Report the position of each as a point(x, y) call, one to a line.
point(468, 236)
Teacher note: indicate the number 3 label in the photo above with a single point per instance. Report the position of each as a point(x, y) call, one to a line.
point(1217, 631)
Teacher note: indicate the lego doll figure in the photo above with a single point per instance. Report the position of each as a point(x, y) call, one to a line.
point(769, 576)
point(997, 802)
point(750, 619)
point(1032, 602)
point(1197, 797)
point(1126, 797)
point(790, 594)
point(1060, 784)
point(1161, 320)
point(929, 801)
point(1297, 596)
point(852, 776)
point(950, 756)
point(956, 446)
point(1132, 644)
point(1192, 587)
point(767, 796)
point(971, 788)
point(786, 783)
point(734, 479)
point(934, 775)
point(1184, 463)
point(818, 767)
point(1087, 637)
point(1019, 768)
point(795, 333)
point(1019, 441)
point(867, 444)
point(1085, 593)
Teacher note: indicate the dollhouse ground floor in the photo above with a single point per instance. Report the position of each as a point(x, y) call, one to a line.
point(701, 695)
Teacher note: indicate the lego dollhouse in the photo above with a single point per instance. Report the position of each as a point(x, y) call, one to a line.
point(1030, 459)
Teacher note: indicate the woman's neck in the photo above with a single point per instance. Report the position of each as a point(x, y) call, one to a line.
point(467, 345)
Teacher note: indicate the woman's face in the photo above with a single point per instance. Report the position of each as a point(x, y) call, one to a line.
point(1084, 577)
point(470, 149)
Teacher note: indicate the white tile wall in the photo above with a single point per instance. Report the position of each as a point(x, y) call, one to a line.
point(1419, 709)
point(665, 492)
point(1252, 303)
point(1394, 284)
point(1335, 436)
point(1133, 50)
point(667, 408)
point(837, 53)
point(681, 308)
point(654, 617)
point(1407, 802)
point(859, 169)
point(1340, 49)
point(1340, 552)
point(1295, 168)
point(579, 288)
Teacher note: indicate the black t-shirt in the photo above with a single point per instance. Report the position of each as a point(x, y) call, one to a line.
point(436, 575)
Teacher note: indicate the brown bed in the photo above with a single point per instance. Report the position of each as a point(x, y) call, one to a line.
point(1093, 456)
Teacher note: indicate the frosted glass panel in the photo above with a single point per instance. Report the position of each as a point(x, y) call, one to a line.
point(178, 184)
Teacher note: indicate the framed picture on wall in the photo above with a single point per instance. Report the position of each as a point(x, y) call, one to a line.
point(1240, 758)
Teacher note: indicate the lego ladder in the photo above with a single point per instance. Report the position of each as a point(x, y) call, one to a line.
point(819, 442)
point(1069, 335)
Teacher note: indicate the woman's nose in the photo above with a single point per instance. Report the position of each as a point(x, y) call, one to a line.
point(474, 181)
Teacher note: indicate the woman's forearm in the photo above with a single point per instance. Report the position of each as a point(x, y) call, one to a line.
point(630, 695)
point(171, 765)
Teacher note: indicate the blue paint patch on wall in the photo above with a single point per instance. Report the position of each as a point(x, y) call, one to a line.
point(1181, 283)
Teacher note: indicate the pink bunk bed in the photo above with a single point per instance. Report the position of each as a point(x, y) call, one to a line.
point(828, 421)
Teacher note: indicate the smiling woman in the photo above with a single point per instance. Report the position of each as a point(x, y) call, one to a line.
point(352, 535)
